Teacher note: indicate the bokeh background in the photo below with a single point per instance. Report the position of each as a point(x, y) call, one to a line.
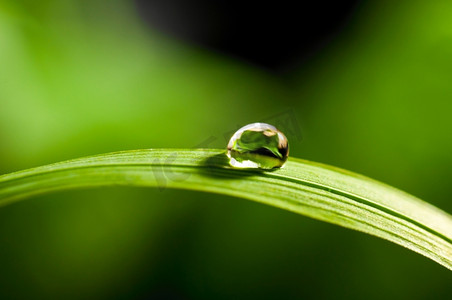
point(370, 84)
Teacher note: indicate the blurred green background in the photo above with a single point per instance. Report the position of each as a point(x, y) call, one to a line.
point(86, 77)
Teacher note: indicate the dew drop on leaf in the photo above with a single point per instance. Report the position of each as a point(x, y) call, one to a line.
point(258, 145)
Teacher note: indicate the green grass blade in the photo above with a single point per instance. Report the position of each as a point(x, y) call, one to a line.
point(315, 190)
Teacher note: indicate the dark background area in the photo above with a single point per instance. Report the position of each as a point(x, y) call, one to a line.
point(275, 36)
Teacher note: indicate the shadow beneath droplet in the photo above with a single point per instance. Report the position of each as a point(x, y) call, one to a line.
point(217, 166)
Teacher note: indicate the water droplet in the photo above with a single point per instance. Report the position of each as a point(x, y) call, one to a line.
point(258, 145)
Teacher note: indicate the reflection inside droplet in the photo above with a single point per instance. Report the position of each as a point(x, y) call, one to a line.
point(258, 145)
